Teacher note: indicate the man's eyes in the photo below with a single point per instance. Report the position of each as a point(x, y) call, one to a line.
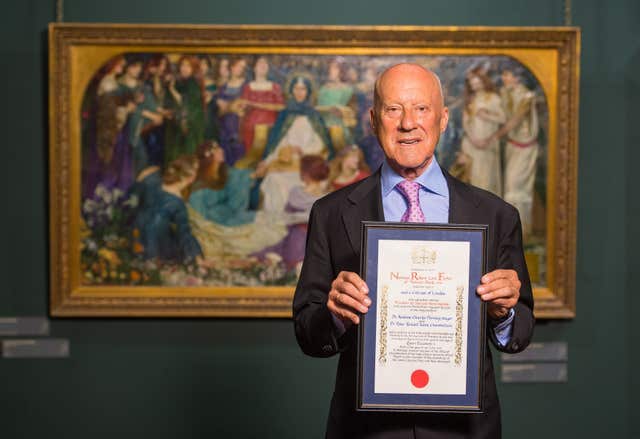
point(396, 110)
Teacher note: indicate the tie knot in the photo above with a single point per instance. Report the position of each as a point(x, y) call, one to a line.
point(409, 189)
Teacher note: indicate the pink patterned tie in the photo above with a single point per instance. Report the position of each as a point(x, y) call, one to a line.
point(410, 190)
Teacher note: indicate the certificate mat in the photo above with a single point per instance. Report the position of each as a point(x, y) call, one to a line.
point(421, 344)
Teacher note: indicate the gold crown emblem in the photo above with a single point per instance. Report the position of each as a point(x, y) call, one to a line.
point(423, 256)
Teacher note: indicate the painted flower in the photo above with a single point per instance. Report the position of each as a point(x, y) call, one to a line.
point(132, 201)
point(135, 276)
point(110, 256)
point(91, 245)
point(101, 191)
point(138, 248)
point(89, 206)
point(117, 193)
point(192, 281)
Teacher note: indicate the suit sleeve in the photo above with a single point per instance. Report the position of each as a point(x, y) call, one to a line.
point(511, 256)
point(315, 329)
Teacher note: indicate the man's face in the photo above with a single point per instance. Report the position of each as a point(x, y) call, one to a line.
point(409, 118)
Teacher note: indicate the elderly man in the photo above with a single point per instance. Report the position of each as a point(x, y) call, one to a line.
point(408, 117)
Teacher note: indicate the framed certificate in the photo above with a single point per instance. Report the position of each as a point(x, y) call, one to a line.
point(421, 344)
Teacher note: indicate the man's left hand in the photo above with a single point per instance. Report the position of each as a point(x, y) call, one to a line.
point(501, 290)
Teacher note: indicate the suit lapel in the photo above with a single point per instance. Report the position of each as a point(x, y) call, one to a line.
point(364, 203)
point(462, 202)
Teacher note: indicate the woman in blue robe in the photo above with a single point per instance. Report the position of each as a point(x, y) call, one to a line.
point(298, 105)
point(221, 192)
point(299, 127)
point(130, 84)
point(162, 220)
point(155, 96)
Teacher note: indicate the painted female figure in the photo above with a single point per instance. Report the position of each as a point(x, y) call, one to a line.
point(313, 174)
point(186, 130)
point(347, 168)
point(481, 118)
point(155, 98)
point(145, 116)
point(221, 192)
point(108, 158)
point(333, 98)
point(230, 108)
point(365, 137)
point(162, 219)
point(299, 130)
point(262, 99)
point(210, 91)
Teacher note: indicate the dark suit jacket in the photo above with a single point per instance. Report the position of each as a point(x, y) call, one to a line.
point(333, 245)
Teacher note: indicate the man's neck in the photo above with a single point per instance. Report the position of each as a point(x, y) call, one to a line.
point(411, 173)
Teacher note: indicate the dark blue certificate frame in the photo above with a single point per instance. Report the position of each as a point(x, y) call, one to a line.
point(471, 401)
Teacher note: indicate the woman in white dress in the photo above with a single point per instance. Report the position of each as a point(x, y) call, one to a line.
point(298, 131)
point(481, 118)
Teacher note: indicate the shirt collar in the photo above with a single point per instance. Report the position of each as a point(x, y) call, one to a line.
point(431, 179)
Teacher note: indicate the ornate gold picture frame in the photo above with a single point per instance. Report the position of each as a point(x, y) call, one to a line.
point(183, 159)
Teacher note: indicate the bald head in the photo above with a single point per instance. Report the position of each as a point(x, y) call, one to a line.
point(400, 72)
point(408, 116)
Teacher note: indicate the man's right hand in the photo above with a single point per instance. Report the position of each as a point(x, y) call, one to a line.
point(349, 296)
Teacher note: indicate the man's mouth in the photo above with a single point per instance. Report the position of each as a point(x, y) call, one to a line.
point(409, 141)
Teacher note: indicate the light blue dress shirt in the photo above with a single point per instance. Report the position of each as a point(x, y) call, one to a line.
point(434, 201)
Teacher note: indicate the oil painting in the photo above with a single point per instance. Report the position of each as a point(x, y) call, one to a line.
point(194, 167)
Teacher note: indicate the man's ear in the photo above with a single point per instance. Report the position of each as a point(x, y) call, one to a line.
point(444, 119)
point(372, 119)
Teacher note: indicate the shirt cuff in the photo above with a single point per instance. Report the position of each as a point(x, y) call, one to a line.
point(504, 329)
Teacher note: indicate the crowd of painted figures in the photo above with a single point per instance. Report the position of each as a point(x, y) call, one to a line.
point(214, 161)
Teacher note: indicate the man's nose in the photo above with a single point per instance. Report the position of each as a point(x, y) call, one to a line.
point(408, 121)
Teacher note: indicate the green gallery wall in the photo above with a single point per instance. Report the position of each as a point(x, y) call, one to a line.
point(238, 378)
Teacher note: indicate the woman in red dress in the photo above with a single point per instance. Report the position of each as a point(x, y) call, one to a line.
point(261, 99)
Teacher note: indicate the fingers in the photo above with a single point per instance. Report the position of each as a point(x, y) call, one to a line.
point(344, 314)
point(500, 288)
point(505, 297)
point(348, 297)
point(500, 274)
point(354, 279)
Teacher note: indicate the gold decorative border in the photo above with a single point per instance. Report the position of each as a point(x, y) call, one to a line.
point(533, 46)
point(457, 358)
point(384, 309)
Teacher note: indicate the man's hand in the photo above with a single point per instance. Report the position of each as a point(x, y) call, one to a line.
point(348, 297)
point(501, 290)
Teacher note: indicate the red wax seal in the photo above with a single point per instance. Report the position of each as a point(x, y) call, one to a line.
point(419, 378)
